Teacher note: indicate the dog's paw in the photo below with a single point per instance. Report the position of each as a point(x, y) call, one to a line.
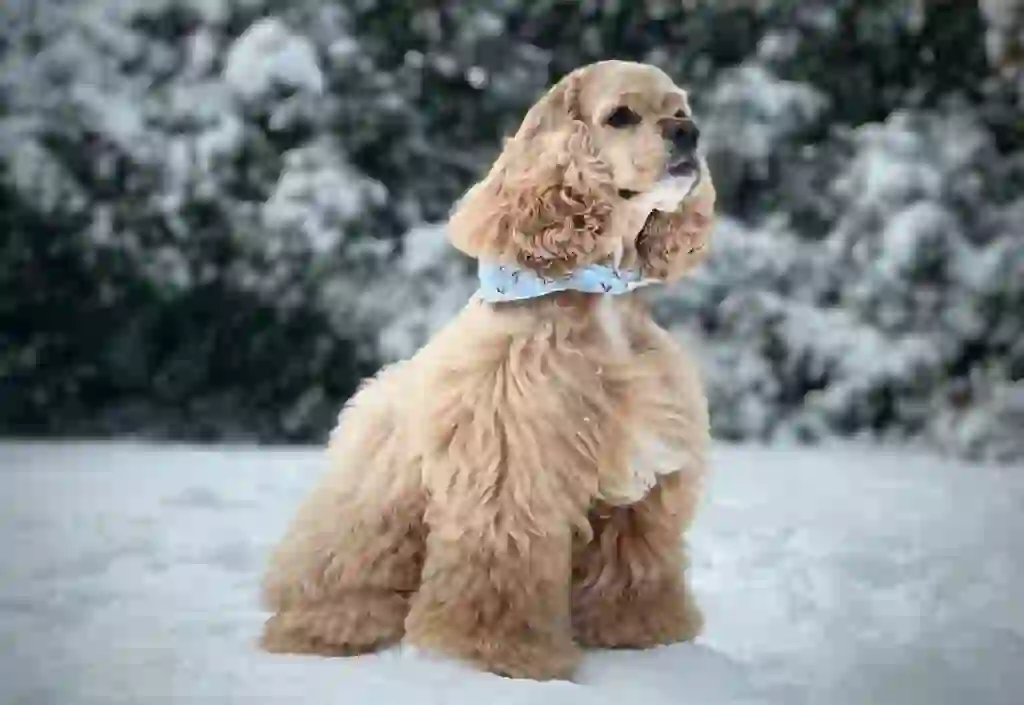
point(651, 617)
point(533, 656)
point(512, 648)
point(356, 627)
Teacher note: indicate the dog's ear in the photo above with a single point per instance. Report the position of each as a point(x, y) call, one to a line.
point(548, 198)
point(672, 244)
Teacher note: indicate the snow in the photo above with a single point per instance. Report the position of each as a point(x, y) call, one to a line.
point(167, 132)
point(44, 181)
point(269, 54)
point(318, 193)
point(843, 574)
point(751, 110)
point(425, 248)
point(431, 283)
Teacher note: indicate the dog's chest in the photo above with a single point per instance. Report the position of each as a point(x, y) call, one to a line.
point(611, 318)
point(650, 458)
point(650, 455)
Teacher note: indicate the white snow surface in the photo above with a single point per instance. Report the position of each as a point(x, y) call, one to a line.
point(845, 574)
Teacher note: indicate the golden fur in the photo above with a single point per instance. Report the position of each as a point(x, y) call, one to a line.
point(490, 498)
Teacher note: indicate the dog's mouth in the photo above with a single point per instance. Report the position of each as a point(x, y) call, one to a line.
point(678, 182)
point(681, 176)
point(684, 166)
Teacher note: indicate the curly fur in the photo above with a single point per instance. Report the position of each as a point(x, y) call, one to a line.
point(548, 200)
point(671, 244)
point(482, 499)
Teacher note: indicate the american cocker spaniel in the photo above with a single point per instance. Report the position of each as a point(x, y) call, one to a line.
point(520, 488)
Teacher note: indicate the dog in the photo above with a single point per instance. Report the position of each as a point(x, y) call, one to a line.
point(520, 487)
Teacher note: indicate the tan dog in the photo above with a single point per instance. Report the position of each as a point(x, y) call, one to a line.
point(520, 487)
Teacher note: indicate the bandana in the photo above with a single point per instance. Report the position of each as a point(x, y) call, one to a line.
point(500, 282)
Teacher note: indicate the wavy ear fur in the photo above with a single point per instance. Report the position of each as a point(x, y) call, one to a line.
point(672, 244)
point(547, 200)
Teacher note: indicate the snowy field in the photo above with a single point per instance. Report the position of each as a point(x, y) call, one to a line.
point(846, 575)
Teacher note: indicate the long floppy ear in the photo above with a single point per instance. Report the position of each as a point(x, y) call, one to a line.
point(672, 244)
point(548, 198)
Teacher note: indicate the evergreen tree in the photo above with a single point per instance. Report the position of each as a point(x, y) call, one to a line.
point(219, 215)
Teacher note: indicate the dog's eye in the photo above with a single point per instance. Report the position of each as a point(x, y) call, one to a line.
point(622, 117)
point(627, 194)
point(681, 115)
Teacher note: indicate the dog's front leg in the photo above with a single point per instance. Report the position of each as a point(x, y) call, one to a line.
point(495, 595)
point(509, 486)
point(629, 584)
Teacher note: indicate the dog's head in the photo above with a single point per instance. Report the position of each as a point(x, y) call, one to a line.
point(603, 135)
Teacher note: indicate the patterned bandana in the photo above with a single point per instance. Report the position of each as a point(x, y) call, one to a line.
point(508, 283)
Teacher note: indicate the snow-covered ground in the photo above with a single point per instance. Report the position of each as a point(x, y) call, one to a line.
point(843, 575)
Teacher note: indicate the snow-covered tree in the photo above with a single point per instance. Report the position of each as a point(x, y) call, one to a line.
point(217, 215)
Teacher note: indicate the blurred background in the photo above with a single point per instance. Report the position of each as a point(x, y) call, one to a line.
point(216, 216)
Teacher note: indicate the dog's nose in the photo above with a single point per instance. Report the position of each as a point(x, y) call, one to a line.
point(683, 134)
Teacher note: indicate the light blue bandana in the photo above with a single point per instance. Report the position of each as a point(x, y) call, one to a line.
point(508, 283)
